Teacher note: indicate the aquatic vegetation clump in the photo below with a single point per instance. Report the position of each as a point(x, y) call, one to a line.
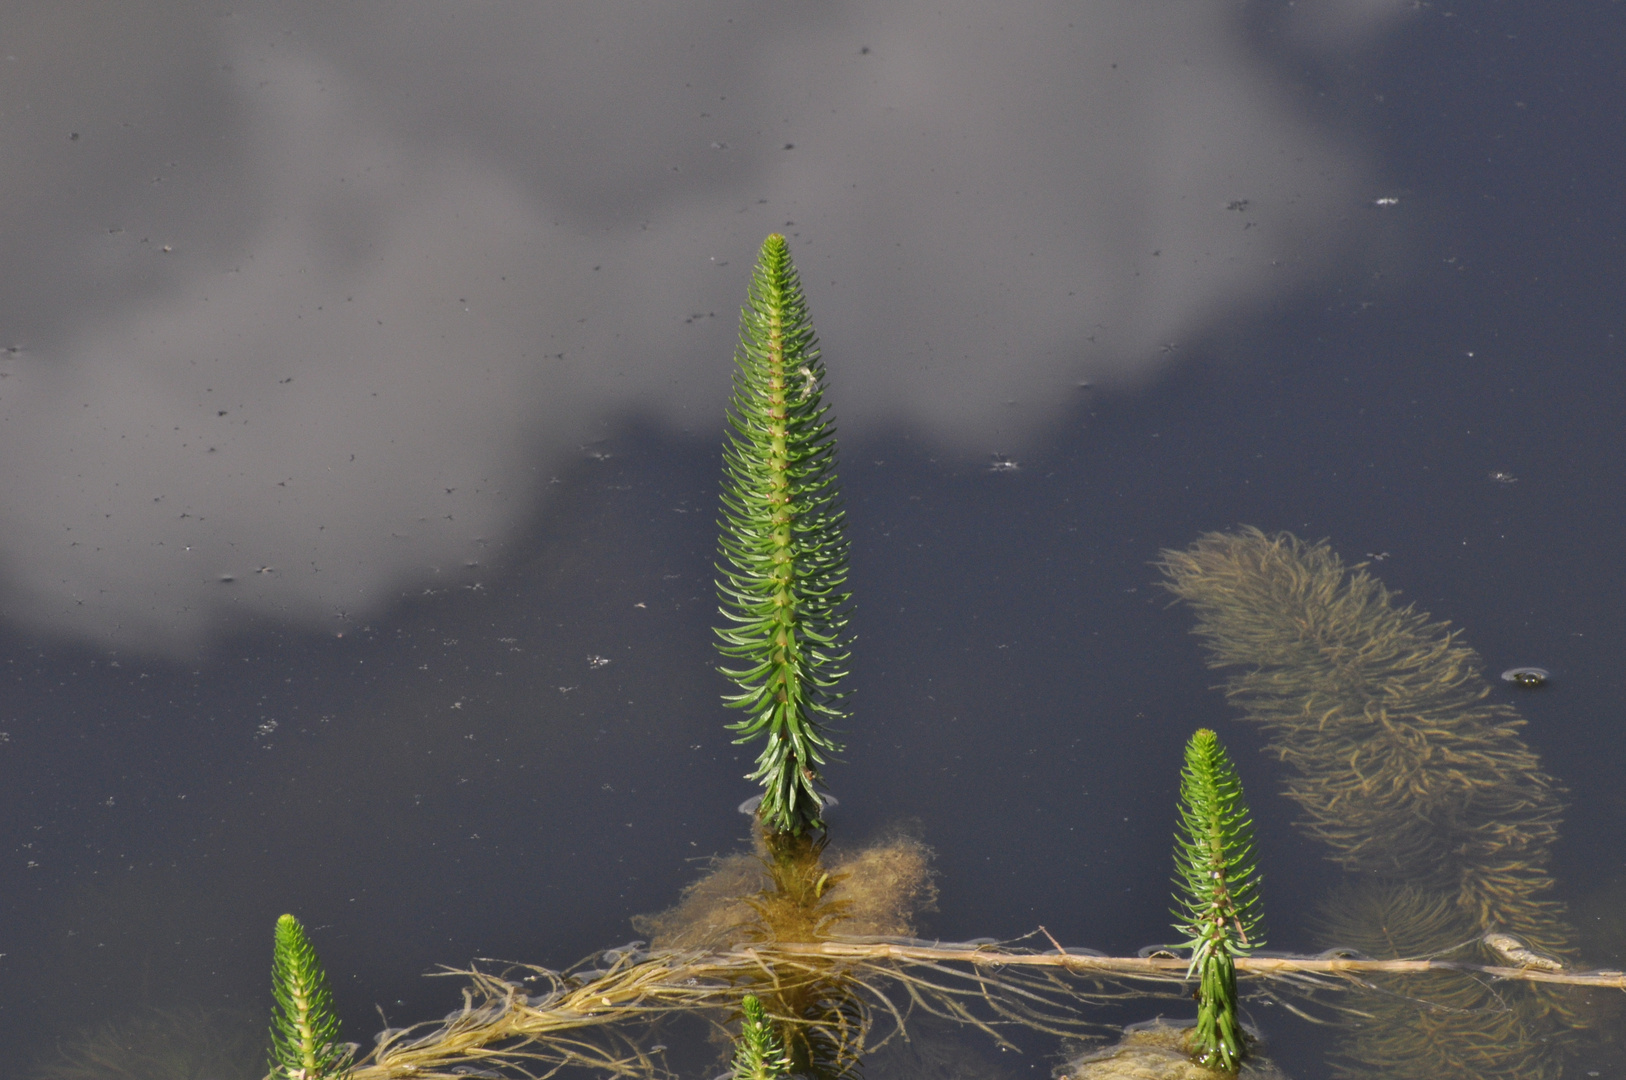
point(1413, 780)
point(1218, 894)
point(785, 891)
point(783, 548)
point(1156, 1050)
point(304, 1028)
point(1403, 768)
point(876, 890)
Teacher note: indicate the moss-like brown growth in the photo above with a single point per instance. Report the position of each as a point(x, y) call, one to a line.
point(749, 897)
point(785, 892)
point(1158, 1051)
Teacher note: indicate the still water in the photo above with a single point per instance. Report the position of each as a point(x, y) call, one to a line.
point(362, 413)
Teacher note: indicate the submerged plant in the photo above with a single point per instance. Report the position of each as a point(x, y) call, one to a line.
point(783, 549)
point(1218, 895)
point(1416, 779)
point(1404, 766)
point(758, 1052)
point(304, 1031)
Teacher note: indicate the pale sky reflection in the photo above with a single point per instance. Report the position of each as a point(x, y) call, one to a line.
point(315, 302)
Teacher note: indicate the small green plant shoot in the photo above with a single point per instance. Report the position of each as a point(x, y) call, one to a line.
point(304, 1032)
point(758, 1052)
point(782, 547)
point(1218, 894)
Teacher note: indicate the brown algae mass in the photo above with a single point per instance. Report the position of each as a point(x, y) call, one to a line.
point(785, 892)
point(751, 897)
point(1157, 1051)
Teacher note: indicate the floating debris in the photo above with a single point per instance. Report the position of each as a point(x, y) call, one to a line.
point(1518, 954)
point(1529, 677)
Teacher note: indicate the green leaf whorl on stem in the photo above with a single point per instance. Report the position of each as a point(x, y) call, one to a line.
point(304, 1030)
point(1218, 894)
point(783, 549)
point(758, 1052)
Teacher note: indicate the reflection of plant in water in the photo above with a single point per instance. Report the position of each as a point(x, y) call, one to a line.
point(1403, 769)
point(1455, 1023)
point(162, 1044)
point(783, 548)
point(1219, 894)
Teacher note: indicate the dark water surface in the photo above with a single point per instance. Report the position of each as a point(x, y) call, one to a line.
point(497, 732)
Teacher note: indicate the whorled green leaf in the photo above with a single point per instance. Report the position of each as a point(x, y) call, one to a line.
point(1218, 894)
point(304, 1030)
point(783, 566)
point(759, 1054)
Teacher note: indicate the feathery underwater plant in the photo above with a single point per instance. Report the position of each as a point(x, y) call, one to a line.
point(1416, 778)
point(304, 1032)
point(758, 1053)
point(782, 546)
point(1218, 894)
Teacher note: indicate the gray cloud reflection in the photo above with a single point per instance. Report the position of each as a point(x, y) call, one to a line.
point(311, 303)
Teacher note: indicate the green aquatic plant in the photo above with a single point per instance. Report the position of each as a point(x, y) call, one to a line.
point(758, 1052)
point(783, 548)
point(304, 1030)
point(1415, 779)
point(1218, 896)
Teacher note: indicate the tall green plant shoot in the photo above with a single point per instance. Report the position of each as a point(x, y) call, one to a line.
point(782, 547)
point(1218, 896)
point(758, 1052)
point(304, 1030)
